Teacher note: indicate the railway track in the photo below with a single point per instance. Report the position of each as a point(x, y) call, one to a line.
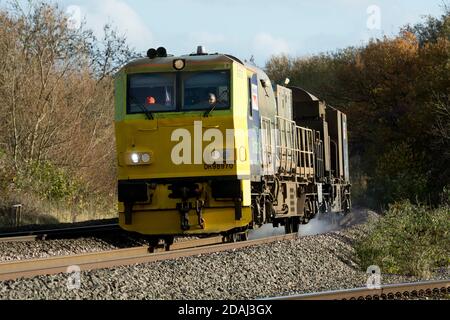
point(119, 257)
point(385, 292)
point(58, 233)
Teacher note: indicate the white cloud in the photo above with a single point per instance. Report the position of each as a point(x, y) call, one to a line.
point(123, 17)
point(266, 45)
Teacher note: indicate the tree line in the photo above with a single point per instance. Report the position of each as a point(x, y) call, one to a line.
point(395, 91)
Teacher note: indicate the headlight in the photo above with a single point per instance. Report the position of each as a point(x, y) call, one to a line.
point(135, 158)
point(139, 158)
point(179, 64)
point(145, 157)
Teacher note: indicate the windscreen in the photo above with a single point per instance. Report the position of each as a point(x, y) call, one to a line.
point(198, 91)
point(204, 90)
point(153, 91)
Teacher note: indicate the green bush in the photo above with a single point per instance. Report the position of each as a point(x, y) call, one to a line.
point(49, 193)
point(48, 182)
point(409, 239)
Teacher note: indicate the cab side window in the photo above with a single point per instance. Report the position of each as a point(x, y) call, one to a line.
point(250, 109)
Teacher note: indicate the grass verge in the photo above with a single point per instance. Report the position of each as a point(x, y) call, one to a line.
point(409, 239)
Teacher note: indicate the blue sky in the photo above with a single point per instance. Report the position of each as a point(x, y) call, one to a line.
point(252, 27)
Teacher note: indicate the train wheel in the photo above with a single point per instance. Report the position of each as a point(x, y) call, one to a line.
point(230, 238)
point(347, 206)
point(243, 236)
point(168, 241)
point(295, 224)
point(153, 243)
point(288, 226)
point(291, 225)
point(235, 237)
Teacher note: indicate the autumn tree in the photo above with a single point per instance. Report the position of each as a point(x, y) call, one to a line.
point(56, 101)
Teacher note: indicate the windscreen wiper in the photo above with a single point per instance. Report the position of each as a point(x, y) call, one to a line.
point(147, 112)
point(206, 114)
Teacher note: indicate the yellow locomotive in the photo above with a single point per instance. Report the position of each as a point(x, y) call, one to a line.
point(207, 145)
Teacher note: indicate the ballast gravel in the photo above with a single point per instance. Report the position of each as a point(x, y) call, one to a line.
point(11, 251)
point(23, 250)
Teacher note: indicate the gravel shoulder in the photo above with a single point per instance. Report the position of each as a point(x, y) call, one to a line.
point(13, 251)
point(307, 264)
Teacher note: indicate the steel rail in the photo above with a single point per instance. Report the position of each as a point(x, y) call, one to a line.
point(19, 238)
point(119, 257)
point(33, 235)
point(388, 291)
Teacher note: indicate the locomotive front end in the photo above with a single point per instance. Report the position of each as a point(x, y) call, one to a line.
point(182, 145)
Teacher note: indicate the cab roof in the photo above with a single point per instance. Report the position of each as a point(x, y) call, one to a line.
point(212, 58)
point(220, 58)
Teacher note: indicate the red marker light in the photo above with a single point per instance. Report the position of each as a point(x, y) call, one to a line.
point(150, 100)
